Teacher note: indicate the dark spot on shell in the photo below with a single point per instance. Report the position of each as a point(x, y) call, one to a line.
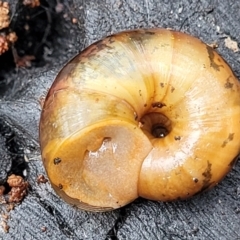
point(145, 105)
point(207, 174)
point(158, 105)
point(60, 186)
point(207, 179)
point(102, 45)
point(136, 37)
point(195, 180)
point(161, 84)
point(177, 138)
point(88, 52)
point(149, 32)
point(140, 92)
point(172, 89)
point(111, 39)
point(228, 84)
point(93, 49)
point(212, 59)
point(57, 160)
point(230, 138)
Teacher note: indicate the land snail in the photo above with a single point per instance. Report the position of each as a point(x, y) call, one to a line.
point(150, 112)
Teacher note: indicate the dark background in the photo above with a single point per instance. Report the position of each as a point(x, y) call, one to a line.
point(53, 39)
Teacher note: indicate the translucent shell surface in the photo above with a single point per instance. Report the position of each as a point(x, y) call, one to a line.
point(152, 113)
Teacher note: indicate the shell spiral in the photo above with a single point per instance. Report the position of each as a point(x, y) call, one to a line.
point(152, 113)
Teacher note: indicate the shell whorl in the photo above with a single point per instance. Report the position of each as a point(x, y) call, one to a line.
point(140, 113)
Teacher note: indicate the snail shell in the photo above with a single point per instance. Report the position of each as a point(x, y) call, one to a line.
point(152, 113)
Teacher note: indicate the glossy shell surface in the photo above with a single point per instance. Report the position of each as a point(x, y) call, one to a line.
point(96, 130)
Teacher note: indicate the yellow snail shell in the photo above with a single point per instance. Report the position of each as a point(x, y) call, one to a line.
point(152, 113)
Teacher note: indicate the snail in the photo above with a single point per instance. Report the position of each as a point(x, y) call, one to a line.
point(149, 112)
